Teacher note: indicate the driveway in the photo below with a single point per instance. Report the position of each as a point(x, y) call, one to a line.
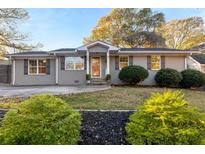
point(25, 91)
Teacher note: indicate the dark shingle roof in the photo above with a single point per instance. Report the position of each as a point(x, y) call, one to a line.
point(64, 49)
point(199, 58)
point(150, 49)
point(31, 52)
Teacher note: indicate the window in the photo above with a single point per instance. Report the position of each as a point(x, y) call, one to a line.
point(74, 63)
point(37, 66)
point(123, 61)
point(155, 62)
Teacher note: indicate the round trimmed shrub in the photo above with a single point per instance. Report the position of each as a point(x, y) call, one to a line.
point(166, 119)
point(133, 74)
point(168, 77)
point(192, 78)
point(41, 119)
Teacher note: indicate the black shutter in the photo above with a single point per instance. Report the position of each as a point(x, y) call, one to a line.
point(116, 62)
point(149, 62)
point(25, 66)
point(85, 63)
point(62, 63)
point(48, 66)
point(162, 61)
point(130, 60)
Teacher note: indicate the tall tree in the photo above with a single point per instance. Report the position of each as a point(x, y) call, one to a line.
point(10, 37)
point(183, 34)
point(129, 28)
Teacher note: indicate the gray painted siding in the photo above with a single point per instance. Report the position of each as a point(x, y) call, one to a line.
point(21, 79)
point(71, 77)
point(97, 49)
point(174, 62)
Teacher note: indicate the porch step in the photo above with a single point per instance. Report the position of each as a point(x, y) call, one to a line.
point(98, 82)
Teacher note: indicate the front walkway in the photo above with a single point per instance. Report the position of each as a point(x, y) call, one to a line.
point(25, 91)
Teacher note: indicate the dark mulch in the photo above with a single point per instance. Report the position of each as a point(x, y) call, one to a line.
point(101, 127)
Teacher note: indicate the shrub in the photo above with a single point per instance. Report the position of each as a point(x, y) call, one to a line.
point(166, 119)
point(41, 119)
point(133, 74)
point(192, 78)
point(168, 77)
point(88, 76)
point(108, 77)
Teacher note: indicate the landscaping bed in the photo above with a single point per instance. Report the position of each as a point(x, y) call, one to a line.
point(101, 127)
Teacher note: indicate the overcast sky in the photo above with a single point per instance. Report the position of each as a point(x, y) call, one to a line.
point(61, 28)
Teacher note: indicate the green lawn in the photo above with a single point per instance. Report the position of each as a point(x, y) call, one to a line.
point(116, 98)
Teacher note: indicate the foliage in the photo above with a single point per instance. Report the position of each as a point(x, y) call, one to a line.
point(168, 77)
point(88, 76)
point(129, 28)
point(108, 77)
point(166, 119)
point(133, 74)
point(183, 34)
point(41, 119)
point(192, 78)
point(10, 37)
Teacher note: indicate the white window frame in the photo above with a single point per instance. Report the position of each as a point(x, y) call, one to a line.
point(124, 62)
point(37, 73)
point(74, 64)
point(159, 63)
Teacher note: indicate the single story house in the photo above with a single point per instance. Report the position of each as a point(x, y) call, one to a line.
point(69, 66)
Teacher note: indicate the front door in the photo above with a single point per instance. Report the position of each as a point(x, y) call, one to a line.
point(95, 67)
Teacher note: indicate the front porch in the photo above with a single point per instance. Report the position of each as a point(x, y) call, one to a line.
point(98, 62)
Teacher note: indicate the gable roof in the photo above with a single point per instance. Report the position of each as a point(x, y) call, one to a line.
point(200, 58)
point(86, 46)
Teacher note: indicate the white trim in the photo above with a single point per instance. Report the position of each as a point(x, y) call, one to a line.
point(74, 64)
point(56, 70)
point(108, 62)
point(127, 60)
point(37, 73)
point(87, 62)
point(159, 63)
point(14, 72)
point(91, 66)
point(185, 63)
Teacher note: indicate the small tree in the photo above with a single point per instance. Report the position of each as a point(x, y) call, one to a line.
point(133, 74)
point(192, 78)
point(166, 119)
point(168, 77)
point(42, 119)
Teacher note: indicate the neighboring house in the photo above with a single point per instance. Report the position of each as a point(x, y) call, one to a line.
point(69, 66)
point(197, 61)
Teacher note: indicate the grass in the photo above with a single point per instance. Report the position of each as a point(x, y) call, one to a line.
point(115, 98)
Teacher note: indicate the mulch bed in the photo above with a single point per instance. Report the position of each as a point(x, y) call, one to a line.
point(101, 127)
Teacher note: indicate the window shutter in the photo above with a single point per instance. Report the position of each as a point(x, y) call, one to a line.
point(149, 62)
point(48, 66)
point(162, 61)
point(85, 63)
point(62, 63)
point(130, 60)
point(116, 62)
point(25, 66)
